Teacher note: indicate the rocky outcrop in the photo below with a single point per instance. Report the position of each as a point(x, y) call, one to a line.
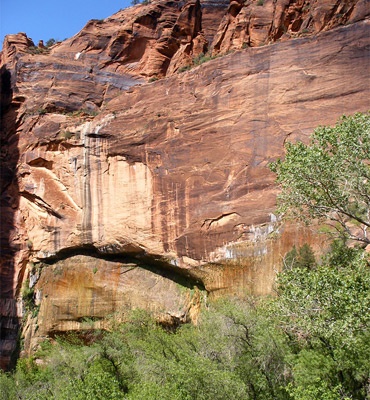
point(256, 23)
point(117, 193)
point(13, 46)
point(146, 40)
point(212, 13)
point(81, 292)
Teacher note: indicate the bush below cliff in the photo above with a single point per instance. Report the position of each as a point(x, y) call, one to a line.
point(310, 342)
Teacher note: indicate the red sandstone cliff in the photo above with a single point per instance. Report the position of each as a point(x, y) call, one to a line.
point(256, 23)
point(114, 190)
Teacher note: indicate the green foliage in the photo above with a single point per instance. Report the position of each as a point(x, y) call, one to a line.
point(83, 113)
point(340, 255)
point(65, 134)
point(319, 391)
point(323, 308)
point(50, 42)
point(303, 258)
point(7, 386)
point(260, 2)
point(39, 111)
point(306, 257)
point(185, 68)
point(35, 310)
point(199, 60)
point(329, 178)
point(38, 50)
point(290, 259)
point(228, 356)
point(202, 58)
point(28, 296)
point(325, 312)
point(98, 383)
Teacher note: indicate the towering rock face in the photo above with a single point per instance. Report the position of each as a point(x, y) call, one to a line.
point(117, 193)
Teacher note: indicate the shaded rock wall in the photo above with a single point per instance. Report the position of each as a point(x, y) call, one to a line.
point(81, 291)
point(99, 166)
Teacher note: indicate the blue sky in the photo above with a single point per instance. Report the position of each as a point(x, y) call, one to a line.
point(41, 19)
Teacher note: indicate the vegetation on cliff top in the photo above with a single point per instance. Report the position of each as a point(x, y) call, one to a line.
point(310, 341)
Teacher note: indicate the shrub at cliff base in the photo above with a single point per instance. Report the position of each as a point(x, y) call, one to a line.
point(310, 342)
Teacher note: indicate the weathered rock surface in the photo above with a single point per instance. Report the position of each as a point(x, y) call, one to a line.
point(256, 23)
point(146, 40)
point(99, 166)
point(80, 292)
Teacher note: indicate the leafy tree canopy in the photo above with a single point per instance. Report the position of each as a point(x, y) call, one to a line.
point(50, 42)
point(303, 258)
point(329, 178)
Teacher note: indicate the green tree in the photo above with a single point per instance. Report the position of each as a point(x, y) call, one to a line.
point(323, 308)
point(303, 258)
point(325, 313)
point(306, 257)
point(329, 178)
point(290, 259)
point(50, 42)
point(7, 386)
